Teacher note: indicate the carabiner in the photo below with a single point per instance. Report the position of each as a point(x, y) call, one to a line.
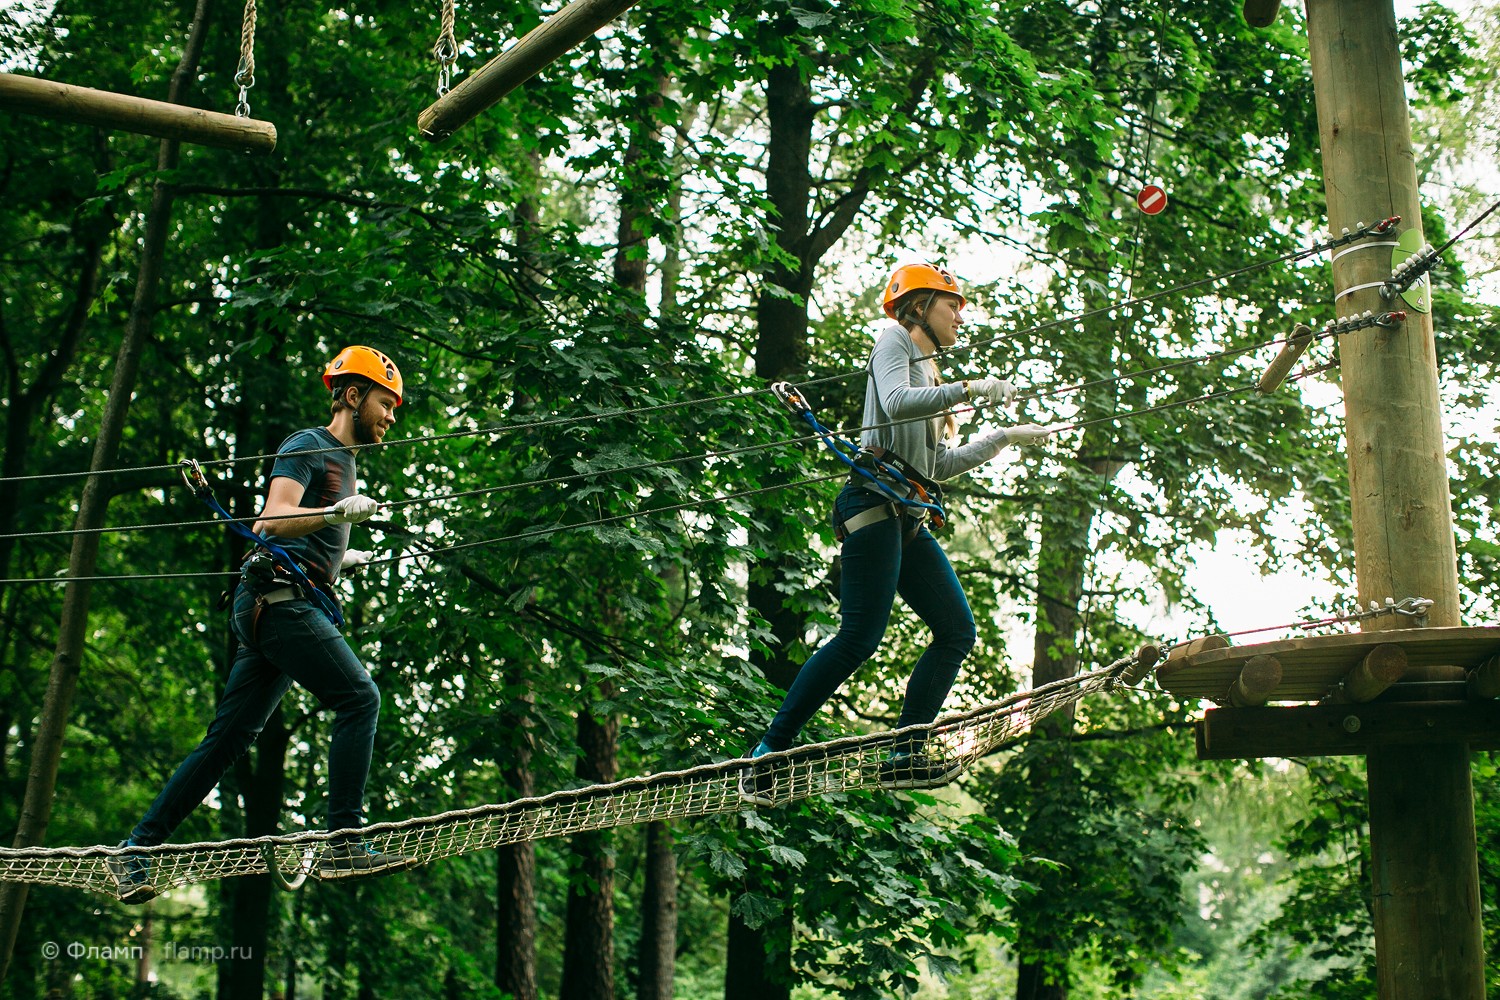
point(192, 475)
point(791, 398)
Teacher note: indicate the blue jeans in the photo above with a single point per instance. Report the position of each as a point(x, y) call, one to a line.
point(877, 567)
point(293, 641)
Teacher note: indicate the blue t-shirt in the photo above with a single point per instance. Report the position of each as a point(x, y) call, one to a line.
point(326, 478)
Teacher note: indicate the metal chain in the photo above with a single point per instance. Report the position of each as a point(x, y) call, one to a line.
point(244, 76)
point(446, 49)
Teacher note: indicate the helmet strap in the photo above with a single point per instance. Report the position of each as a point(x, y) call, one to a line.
point(920, 320)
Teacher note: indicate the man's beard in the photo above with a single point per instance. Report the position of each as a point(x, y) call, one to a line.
point(364, 430)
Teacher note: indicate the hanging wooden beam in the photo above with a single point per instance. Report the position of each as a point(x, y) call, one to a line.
point(31, 96)
point(1281, 366)
point(1261, 13)
point(535, 52)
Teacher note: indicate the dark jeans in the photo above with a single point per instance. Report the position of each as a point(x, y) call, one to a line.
point(876, 567)
point(293, 642)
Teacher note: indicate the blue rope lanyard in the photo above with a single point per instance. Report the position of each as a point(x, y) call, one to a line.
point(848, 452)
point(192, 474)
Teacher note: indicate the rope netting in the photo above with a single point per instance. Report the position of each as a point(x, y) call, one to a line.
point(846, 764)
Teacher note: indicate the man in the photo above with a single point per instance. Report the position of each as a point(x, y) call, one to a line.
point(285, 636)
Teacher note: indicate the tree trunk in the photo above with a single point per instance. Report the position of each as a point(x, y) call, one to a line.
point(515, 878)
point(657, 955)
point(243, 975)
point(36, 809)
point(589, 952)
point(758, 961)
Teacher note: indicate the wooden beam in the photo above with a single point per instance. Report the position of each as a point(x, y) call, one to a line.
point(1341, 730)
point(1261, 13)
point(536, 51)
point(31, 96)
point(1484, 680)
point(1256, 683)
point(1382, 666)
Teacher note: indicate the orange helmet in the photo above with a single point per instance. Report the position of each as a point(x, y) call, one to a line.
point(916, 277)
point(368, 362)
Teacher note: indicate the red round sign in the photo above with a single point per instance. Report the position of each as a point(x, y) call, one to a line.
point(1152, 200)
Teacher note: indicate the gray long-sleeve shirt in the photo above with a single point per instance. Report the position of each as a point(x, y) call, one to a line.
point(899, 388)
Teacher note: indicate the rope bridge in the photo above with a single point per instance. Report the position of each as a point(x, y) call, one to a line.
point(840, 765)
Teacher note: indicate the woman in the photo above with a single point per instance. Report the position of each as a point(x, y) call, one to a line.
point(887, 549)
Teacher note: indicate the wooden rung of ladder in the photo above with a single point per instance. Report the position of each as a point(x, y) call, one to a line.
point(82, 105)
point(540, 47)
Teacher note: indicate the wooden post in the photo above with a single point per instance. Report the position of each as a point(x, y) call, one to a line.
point(30, 96)
point(1428, 939)
point(517, 64)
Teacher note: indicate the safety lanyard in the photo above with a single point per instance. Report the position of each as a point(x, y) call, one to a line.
point(192, 474)
point(847, 452)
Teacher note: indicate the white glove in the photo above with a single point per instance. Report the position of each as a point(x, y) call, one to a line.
point(353, 559)
point(1027, 433)
point(996, 390)
point(351, 510)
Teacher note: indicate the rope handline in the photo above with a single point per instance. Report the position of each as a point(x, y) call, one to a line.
point(598, 522)
point(724, 397)
point(518, 536)
point(1349, 325)
point(464, 494)
point(1335, 329)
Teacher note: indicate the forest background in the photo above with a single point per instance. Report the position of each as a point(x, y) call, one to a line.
point(699, 200)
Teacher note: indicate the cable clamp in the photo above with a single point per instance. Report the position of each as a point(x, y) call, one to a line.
point(1365, 320)
point(1409, 271)
point(1360, 232)
point(1415, 608)
point(791, 398)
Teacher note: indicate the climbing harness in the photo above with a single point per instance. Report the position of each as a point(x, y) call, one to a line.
point(284, 562)
point(871, 463)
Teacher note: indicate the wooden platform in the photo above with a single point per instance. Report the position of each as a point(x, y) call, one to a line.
point(1313, 665)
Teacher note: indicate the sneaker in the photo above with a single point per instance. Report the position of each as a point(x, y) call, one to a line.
point(916, 770)
point(357, 859)
point(132, 875)
point(758, 783)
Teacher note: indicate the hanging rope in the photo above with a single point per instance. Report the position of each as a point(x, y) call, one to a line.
point(445, 50)
point(834, 767)
point(244, 76)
